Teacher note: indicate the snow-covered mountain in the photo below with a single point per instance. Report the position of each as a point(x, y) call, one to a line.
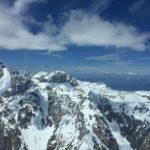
point(54, 111)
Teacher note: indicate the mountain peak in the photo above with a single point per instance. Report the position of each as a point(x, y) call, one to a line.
point(55, 77)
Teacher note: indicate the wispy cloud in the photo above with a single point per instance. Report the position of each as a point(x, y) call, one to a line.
point(22, 5)
point(57, 55)
point(120, 67)
point(137, 5)
point(99, 6)
point(107, 57)
point(80, 29)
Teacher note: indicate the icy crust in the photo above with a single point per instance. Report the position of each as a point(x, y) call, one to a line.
point(58, 112)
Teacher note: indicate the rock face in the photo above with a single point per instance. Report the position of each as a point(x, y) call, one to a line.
point(54, 111)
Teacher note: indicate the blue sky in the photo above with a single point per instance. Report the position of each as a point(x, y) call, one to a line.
point(78, 36)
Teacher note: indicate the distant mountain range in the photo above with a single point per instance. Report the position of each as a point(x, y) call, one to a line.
point(55, 111)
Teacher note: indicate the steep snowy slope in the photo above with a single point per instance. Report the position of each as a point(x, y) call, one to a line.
point(5, 81)
point(54, 111)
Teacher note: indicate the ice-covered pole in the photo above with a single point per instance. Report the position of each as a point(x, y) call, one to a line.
point(5, 80)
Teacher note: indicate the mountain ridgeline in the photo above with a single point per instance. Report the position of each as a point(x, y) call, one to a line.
point(55, 111)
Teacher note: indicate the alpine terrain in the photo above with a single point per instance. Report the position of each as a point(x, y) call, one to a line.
point(55, 111)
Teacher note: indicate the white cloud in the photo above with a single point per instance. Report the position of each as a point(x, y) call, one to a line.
point(81, 29)
point(84, 29)
point(15, 35)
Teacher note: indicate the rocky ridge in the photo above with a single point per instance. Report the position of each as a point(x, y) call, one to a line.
point(55, 111)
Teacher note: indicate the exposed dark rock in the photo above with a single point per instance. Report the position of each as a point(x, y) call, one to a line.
point(73, 117)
